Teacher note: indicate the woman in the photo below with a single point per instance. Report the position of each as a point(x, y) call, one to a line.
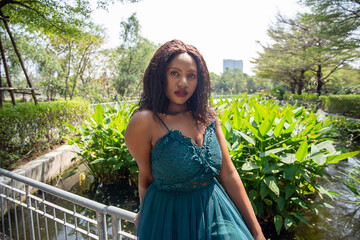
point(180, 150)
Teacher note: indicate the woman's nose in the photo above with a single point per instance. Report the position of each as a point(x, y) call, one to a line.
point(183, 82)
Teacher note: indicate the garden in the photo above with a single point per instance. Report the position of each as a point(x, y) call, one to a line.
point(288, 157)
point(292, 126)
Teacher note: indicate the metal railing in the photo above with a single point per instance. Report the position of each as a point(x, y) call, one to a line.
point(53, 213)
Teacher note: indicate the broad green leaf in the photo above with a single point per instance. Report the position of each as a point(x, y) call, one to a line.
point(288, 223)
point(246, 137)
point(98, 160)
point(272, 184)
point(289, 190)
point(264, 190)
point(267, 201)
point(280, 202)
point(250, 165)
point(253, 130)
point(278, 221)
point(318, 157)
point(299, 202)
point(302, 151)
point(267, 124)
point(98, 115)
point(301, 218)
point(328, 145)
point(290, 172)
point(274, 156)
point(321, 116)
point(323, 192)
point(279, 127)
point(252, 195)
point(288, 158)
point(336, 158)
point(290, 128)
point(276, 150)
point(307, 129)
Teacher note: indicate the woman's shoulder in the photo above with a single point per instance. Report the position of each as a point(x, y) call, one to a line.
point(143, 117)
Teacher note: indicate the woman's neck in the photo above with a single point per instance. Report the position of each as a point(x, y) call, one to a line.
point(176, 109)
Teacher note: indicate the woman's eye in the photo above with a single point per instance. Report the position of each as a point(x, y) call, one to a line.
point(192, 76)
point(174, 73)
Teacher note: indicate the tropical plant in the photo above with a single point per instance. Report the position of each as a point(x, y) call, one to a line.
point(102, 145)
point(279, 153)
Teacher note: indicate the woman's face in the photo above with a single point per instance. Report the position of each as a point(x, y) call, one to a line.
point(181, 79)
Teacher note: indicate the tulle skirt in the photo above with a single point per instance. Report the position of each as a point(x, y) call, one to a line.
point(204, 214)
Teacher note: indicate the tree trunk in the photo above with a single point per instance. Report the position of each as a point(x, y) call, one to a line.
point(19, 57)
point(319, 80)
point(7, 74)
point(301, 82)
point(68, 73)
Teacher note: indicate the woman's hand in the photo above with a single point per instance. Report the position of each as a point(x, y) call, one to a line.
point(135, 219)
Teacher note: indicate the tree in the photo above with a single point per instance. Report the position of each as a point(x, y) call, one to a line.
point(341, 16)
point(134, 54)
point(288, 59)
point(303, 50)
point(48, 17)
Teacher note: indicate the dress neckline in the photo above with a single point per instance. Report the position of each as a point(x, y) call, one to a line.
point(188, 139)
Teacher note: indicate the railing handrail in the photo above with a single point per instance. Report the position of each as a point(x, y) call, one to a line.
point(85, 202)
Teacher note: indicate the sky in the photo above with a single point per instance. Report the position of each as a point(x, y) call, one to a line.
point(219, 29)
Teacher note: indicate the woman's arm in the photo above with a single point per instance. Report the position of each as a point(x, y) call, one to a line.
point(138, 136)
point(234, 187)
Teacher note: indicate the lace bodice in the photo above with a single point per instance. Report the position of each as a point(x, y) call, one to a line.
point(179, 164)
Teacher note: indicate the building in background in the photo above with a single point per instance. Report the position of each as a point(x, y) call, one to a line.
point(231, 64)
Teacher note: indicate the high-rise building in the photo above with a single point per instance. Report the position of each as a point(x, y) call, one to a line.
point(231, 64)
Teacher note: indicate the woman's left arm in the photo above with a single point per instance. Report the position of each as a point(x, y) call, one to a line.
point(234, 187)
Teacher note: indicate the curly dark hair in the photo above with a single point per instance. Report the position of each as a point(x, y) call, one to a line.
point(153, 96)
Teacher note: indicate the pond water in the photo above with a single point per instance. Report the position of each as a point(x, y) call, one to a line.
point(340, 222)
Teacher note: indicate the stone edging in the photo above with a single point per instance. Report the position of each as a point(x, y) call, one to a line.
point(47, 166)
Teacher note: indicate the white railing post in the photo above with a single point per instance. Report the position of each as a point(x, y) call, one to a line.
point(101, 225)
point(30, 217)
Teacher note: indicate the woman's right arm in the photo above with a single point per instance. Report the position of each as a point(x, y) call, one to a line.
point(138, 136)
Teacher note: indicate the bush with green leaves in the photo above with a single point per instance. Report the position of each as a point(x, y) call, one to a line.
point(102, 146)
point(280, 154)
point(346, 131)
point(26, 127)
point(304, 97)
point(348, 105)
point(278, 92)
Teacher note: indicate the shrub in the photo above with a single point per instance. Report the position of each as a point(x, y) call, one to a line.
point(278, 92)
point(27, 127)
point(102, 144)
point(305, 97)
point(348, 105)
point(279, 153)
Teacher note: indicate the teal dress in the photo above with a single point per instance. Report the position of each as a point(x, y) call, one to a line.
point(185, 201)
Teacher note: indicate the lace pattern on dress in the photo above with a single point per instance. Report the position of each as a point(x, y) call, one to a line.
point(192, 167)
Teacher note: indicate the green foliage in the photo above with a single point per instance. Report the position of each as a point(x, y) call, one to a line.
point(102, 145)
point(278, 92)
point(348, 105)
point(49, 16)
point(351, 180)
point(133, 56)
point(280, 153)
point(345, 131)
point(305, 97)
point(232, 81)
point(26, 128)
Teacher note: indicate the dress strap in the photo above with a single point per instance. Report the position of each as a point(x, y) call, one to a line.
point(163, 123)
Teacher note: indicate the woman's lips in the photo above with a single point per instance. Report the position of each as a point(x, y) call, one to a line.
point(181, 93)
